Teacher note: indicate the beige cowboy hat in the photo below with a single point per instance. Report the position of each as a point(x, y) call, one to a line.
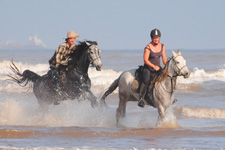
point(72, 34)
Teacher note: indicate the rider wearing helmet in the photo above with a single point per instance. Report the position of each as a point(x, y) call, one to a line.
point(153, 51)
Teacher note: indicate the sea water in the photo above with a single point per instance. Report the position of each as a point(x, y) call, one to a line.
point(195, 121)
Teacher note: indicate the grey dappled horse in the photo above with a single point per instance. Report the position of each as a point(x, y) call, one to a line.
point(78, 82)
point(162, 93)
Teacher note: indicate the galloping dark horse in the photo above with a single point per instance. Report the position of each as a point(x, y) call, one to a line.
point(78, 82)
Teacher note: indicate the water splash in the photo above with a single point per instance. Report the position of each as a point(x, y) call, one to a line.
point(170, 120)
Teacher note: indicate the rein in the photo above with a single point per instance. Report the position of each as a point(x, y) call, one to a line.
point(172, 86)
point(92, 60)
point(178, 73)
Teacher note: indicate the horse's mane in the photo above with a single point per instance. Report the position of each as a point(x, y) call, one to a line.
point(163, 74)
point(82, 47)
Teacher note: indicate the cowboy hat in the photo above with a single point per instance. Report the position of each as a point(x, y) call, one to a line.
point(72, 34)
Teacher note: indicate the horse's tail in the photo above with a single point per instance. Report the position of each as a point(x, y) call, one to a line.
point(22, 78)
point(112, 87)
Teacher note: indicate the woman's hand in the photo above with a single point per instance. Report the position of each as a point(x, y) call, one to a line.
point(156, 68)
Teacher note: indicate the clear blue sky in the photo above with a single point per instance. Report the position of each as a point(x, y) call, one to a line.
point(116, 24)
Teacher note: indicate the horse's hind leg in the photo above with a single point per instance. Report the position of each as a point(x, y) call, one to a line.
point(121, 108)
point(124, 111)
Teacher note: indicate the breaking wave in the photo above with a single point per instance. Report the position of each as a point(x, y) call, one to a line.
point(197, 75)
point(15, 99)
point(201, 113)
point(200, 75)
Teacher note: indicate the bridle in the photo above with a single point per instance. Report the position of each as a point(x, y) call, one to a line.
point(93, 59)
point(178, 70)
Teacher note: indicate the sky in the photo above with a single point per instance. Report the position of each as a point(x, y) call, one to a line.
point(114, 24)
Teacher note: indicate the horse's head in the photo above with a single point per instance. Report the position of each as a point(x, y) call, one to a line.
point(94, 54)
point(179, 65)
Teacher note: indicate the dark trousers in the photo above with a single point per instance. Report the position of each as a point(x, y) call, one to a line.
point(146, 74)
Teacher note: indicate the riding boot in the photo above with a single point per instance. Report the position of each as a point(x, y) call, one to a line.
point(143, 89)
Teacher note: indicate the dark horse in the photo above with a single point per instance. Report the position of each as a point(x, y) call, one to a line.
point(78, 82)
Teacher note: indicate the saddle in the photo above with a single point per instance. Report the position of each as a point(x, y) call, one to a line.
point(136, 84)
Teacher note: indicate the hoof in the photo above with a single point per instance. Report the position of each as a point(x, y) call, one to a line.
point(56, 103)
point(174, 101)
point(141, 103)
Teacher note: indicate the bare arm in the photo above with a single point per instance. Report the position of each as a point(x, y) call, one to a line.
point(164, 55)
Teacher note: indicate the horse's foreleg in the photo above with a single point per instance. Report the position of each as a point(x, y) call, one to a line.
point(91, 97)
point(93, 100)
point(161, 116)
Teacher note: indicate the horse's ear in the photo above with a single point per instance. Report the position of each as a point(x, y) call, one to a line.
point(174, 54)
point(88, 44)
point(178, 52)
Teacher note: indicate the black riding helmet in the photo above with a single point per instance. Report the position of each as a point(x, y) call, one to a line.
point(155, 32)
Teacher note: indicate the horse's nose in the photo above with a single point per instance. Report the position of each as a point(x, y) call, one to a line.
point(187, 74)
point(99, 68)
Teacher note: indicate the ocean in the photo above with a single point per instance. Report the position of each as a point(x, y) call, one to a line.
point(199, 113)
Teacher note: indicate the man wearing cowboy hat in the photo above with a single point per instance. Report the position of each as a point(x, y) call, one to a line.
point(58, 63)
point(63, 50)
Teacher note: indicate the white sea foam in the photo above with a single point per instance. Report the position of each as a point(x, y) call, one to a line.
point(102, 79)
point(38, 68)
point(203, 113)
point(200, 75)
point(197, 75)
